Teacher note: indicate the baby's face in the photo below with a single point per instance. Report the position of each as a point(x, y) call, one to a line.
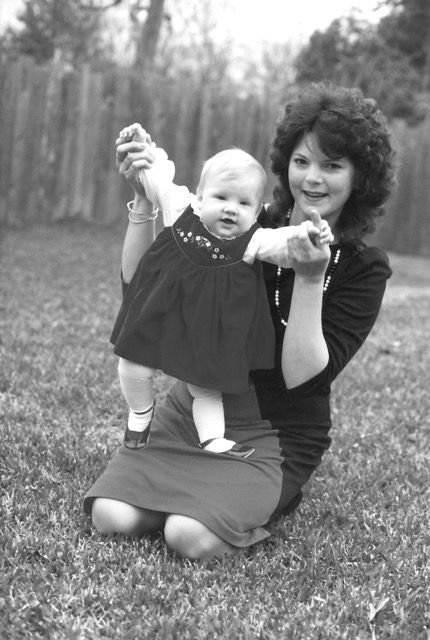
point(230, 203)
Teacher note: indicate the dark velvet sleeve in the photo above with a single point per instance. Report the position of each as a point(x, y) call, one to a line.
point(350, 309)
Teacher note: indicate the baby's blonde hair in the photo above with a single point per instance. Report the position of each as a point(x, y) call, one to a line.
point(232, 162)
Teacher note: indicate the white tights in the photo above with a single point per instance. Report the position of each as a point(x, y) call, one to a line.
point(208, 411)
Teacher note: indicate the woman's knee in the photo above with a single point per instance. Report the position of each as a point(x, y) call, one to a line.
point(113, 516)
point(189, 538)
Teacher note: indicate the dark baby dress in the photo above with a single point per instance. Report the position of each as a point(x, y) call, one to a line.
point(237, 498)
point(196, 310)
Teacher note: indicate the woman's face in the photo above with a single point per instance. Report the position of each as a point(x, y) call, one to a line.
point(319, 182)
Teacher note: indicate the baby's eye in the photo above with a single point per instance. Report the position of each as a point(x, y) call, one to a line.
point(244, 203)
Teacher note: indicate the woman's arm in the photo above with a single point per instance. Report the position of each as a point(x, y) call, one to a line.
point(350, 309)
point(152, 188)
point(304, 351)
point(138, 238)
point(131, 157)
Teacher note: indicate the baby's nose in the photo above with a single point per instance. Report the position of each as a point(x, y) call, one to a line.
point(230, 206)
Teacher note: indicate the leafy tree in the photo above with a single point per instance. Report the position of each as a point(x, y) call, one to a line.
point(56, 27)
point(328, 53)
point(407, 30)
point(354, 52)
point(150, 34)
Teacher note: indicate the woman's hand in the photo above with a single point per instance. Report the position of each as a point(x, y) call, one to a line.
point(309, 255)
point(134, 151)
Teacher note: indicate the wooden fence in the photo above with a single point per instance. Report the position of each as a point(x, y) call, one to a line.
point(58, 129)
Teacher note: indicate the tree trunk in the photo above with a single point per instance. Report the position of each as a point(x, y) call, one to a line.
point(147, 44)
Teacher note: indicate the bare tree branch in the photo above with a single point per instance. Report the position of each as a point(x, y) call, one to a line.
point(104, 4)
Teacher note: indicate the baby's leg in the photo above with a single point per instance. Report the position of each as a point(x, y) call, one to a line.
point(208, 414)
point(136, 386)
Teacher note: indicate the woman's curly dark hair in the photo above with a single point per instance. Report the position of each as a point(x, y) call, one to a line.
point(346, 125)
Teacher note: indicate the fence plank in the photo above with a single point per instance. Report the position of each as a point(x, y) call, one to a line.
point(9, 83)
point(113, 191)
point(22, 99)
point(77, 203)
point(37, 164)
point(66, 146)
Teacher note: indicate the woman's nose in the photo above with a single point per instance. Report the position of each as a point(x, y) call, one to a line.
point(313, 174)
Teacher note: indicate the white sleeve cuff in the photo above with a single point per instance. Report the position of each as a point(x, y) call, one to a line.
point(269, 245)
point(170, 198)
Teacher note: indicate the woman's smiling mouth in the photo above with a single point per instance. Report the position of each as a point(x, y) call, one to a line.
point(313, 194)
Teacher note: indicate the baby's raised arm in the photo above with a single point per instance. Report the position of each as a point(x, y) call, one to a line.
point(157, 180)
point(272, 245)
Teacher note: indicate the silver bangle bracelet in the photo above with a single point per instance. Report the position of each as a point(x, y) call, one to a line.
point(139, 219)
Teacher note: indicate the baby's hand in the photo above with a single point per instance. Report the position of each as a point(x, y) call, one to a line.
point(134, 132)
point(134, 152)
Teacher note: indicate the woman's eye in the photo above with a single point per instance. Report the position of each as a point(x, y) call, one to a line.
point(299, 161)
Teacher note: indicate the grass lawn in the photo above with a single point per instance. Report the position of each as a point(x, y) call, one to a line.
point(352, 562)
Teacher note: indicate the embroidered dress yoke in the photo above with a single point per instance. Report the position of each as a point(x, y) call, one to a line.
point(196, 310)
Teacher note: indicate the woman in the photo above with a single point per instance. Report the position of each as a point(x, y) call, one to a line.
point(332, 152)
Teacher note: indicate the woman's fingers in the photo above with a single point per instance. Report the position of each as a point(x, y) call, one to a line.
point(321, 232)
point(307, 233)
point(134, 151)
point(309, 259)
point(133, 139)
point(139, 155)
point(326, 235)
point(315, 218)
point(130, 164)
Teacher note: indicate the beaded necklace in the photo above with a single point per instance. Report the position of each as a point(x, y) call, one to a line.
point(325, 286)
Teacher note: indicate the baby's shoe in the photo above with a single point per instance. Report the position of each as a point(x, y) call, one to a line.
point(139, 439)
point(230, 448)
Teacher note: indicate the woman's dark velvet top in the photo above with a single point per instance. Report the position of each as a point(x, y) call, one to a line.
point(350, 307)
